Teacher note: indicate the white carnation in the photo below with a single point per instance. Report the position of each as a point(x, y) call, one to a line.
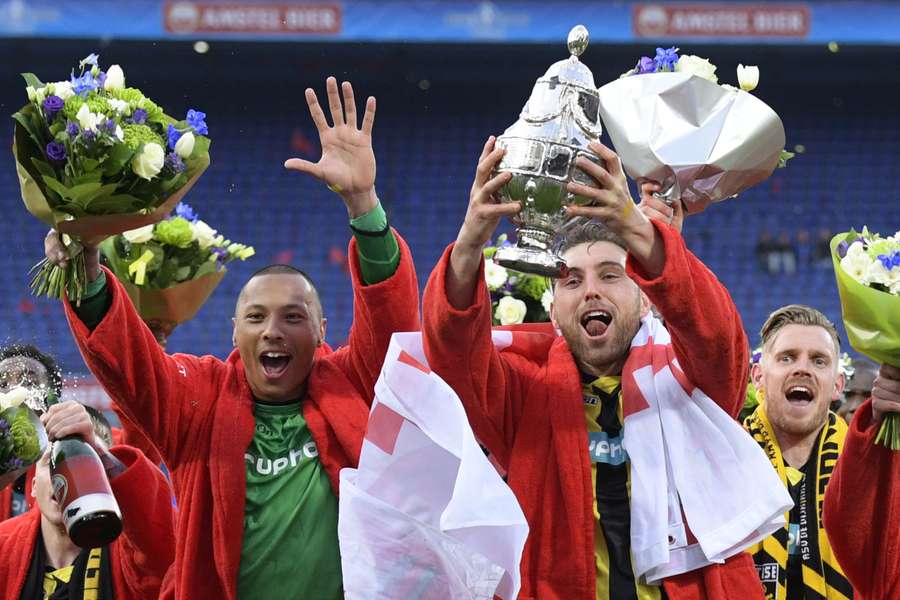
point(510, 311)
point(494, 274)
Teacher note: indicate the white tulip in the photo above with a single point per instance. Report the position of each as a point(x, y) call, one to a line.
point(185, 145)
point(115, 78)
point(149, 162)
point(88, 120)
point(748, 77)
point(139, 235)
point(203, 233)
point(510, 311)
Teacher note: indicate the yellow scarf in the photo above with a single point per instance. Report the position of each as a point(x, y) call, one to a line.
point(822, 576)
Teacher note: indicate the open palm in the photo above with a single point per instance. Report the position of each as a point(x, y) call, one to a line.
point(347, 165)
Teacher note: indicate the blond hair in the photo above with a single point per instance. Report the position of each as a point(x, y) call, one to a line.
point(797, 314)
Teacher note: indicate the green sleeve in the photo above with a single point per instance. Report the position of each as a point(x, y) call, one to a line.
point(376, 245)
point(95, 302)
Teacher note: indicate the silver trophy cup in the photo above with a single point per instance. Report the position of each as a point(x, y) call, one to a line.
point(559, 120)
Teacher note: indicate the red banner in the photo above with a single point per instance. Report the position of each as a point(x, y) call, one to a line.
point(210, 17)
point(721, 20)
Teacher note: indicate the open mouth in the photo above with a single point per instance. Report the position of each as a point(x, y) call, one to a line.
point(799, 395)
point(274, 364)
point(596, 322)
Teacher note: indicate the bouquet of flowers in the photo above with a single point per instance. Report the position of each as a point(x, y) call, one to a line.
point(96, 158)
point(22, 437)
point(170, 268)
point(867, 270)
point(672, 123)
point(515, 297)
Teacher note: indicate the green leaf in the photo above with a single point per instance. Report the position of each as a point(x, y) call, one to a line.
point(43, 167)
point(90, 164)
point(119, 156)
point(206, 268)
point(32, 80)
point(116, 204)
point(24, 120)
point(56, 186)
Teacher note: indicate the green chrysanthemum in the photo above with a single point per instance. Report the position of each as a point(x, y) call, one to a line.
point(136, 99)
point(175, 232)
point(25, 440)
point(71, 107)
point(881, 247)
point(135, 135)
point(532, 286)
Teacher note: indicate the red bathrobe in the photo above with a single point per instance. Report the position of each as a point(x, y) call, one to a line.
point(862, 511)
point(139, 558)
point(199, 413)
point(530, 416)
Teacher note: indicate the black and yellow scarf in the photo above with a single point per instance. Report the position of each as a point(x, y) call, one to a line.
point(822, 576)
point(91, 577)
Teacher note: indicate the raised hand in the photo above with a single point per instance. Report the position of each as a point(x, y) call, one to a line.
point(57, 253)
point(655, 208)
point(886, 391)
point(347, 165)
point(70, 418)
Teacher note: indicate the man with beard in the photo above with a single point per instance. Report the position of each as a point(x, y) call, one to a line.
point(40, 562)
point(554, 422)
point(862, 503)
point(255, 443)
point(798, 377)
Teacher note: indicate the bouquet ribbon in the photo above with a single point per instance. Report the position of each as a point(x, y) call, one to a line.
point(138, 269)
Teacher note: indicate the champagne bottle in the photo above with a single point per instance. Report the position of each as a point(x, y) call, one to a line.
point(81, 488)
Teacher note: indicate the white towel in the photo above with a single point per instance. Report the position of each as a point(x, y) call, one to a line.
point(695, 472)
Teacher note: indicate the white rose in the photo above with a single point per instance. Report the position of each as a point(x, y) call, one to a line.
point(87, 119)
point(150, 161)
point(494, 274)
point(140, 235)
point(185, 145)
point(694, 65)
point(115, 78)
point(510, 310)
point(857, 264)
point(120, 106)
point(547, 299)
point(63, 89)
point(748, 77)
point(12, 398)
point(204, 234)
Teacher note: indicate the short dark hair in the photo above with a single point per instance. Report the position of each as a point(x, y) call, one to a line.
point(101, 425)
point(798, 314)
point(283, 269)
point(588, 232)
point(54, 373)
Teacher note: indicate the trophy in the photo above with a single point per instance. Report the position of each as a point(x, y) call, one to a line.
point(559, 120)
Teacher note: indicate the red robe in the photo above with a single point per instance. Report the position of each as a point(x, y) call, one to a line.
point(139, 558)
point(530, 416)
point(862, 511)
point(199, 413)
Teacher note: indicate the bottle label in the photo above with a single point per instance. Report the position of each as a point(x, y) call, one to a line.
point(79, 483)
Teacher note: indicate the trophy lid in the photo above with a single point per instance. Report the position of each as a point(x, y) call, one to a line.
point(565, 95)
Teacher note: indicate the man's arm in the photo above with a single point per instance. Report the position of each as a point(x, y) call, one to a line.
point(168, 397)
point(456, 319)
point(862, 501)
point(386, 294)
point(707, 332)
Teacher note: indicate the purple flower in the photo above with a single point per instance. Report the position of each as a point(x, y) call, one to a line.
point(186, 212)
point(756, 357)
point(645, 65)
point(842, 248)
point(3, 425)
point(666, 58)
point(56, 151)
point(90, 59)
point(221, 255)
point(52, 105)
point(173, 136)
point(73, 130)
point(174, 163)
point(140, 116)
point(101, 78)
point(84, 85)
point(195, 119)
point(109, 125)
point(88, 135)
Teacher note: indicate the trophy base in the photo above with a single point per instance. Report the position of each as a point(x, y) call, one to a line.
point(531, 260)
